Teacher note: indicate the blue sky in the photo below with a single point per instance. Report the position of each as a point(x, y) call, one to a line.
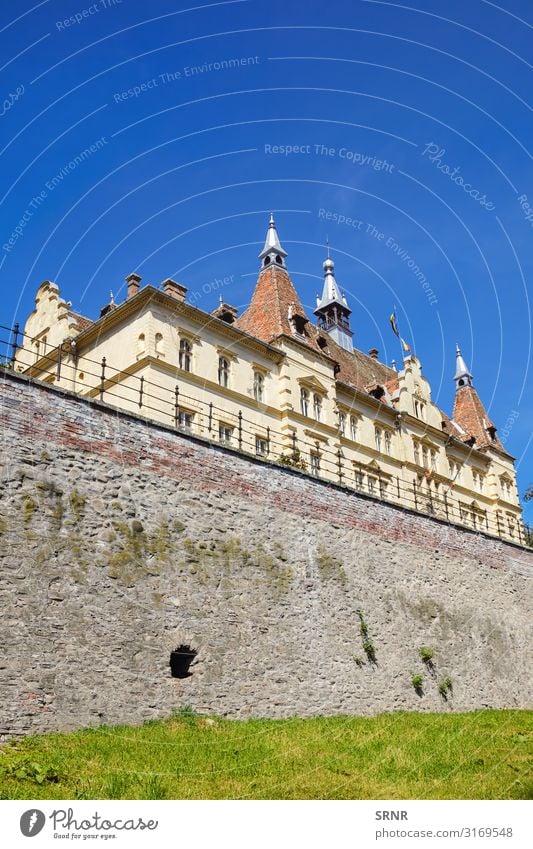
point(401, 132)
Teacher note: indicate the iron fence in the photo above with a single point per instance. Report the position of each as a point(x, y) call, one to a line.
point(231, 428)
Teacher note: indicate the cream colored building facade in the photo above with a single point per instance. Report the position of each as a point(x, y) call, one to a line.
point(273, 384)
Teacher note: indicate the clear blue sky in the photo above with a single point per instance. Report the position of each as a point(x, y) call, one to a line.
point(413, 121)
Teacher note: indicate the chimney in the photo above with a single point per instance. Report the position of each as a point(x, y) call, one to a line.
point(175, 290)
point(373, 353)
point(133, 281)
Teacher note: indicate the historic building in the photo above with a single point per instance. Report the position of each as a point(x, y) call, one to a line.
point(273, 383)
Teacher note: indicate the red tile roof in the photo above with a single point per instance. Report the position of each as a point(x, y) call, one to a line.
point(82, 322)
point(469, 413)
point(275, 299)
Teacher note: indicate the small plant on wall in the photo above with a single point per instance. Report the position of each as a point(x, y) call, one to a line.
point(368, 645)
point(417, 681)
point(445, 687)
point(294, 460)
point(426, 654)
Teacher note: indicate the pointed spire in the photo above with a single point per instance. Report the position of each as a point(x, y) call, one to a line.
point(272, 251)
point(331, 294)
point(332, 308)
point(462, 374)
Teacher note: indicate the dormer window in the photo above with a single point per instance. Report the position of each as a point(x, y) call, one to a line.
point(298, 323)
point(378, 392)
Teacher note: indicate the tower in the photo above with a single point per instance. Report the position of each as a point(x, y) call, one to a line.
point(468, 410)
point(332, 309)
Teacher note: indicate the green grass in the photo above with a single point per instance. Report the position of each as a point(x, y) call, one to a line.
point(479, 755)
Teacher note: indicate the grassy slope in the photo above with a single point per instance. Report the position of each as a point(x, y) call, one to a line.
point(480, 755)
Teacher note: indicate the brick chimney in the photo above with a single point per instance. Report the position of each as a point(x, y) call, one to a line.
point(175, 290)
point(134, 282)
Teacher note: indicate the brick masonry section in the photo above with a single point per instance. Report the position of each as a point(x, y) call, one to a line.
point(121, 540)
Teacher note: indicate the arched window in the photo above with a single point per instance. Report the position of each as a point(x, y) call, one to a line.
point(158, 344)
point(185, 357)
point(304, 402)
point(141, 343)
point(223, 371)
point(317, 407)
point(259, 387)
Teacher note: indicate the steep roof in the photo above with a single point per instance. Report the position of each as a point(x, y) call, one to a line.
point(470, 414)
point(275, 302)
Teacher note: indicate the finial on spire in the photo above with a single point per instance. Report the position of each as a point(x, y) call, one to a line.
point(111, 298)
point(272, 252)
point(462, 375)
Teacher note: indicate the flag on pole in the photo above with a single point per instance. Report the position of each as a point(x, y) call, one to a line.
point(396, 332)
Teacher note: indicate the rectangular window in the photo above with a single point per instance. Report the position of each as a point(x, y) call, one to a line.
point(261, 446)
point(315, 464)
point(223, 371)
point(259, 387)
point(425, 457)
point(387, 442)
point(353, 428)
point(185, 355)
point(185, 419)
point(342, 423)
point(317, 407)
point(434, 461)
point(225, 433)
point(371, 485)
point(304, 402)
point(377, 436)
point(416, 451)
point(359, 480)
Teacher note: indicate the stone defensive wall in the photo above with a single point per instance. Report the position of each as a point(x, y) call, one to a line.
point(122, 540)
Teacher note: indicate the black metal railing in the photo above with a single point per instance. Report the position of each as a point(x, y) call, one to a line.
point(234, 430)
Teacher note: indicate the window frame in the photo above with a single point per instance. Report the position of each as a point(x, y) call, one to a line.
point(185, 355)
